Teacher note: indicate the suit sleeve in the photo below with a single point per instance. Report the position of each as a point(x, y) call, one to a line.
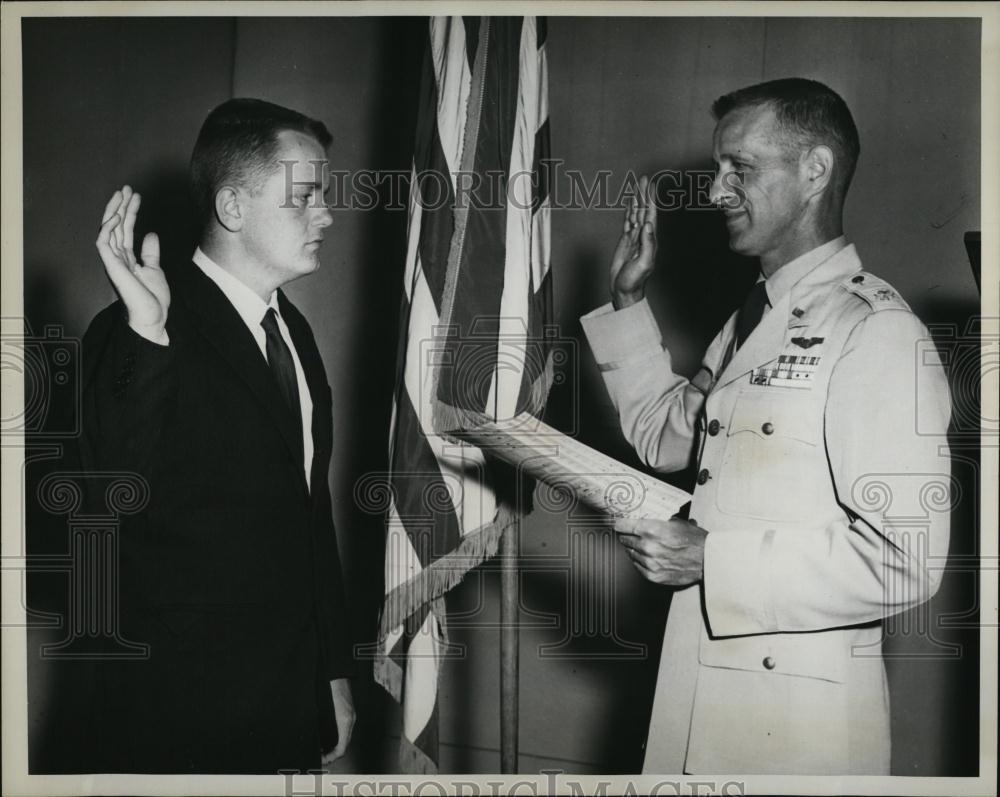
point(886, 419)
point(336, 620)
point(128, 393)
point(658, 409)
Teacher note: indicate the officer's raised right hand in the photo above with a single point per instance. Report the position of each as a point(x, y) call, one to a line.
point(141, 284)
point(635, 254)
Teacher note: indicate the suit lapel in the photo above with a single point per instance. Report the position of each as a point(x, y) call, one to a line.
point(319, 391)
point(224, 330)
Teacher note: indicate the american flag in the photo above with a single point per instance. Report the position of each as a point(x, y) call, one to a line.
point(475, 336)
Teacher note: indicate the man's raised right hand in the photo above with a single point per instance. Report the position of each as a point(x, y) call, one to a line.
point(141, 284)
point(634, 257)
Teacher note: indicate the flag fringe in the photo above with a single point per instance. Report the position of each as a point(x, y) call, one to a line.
point(388, 674)
point(435, 580)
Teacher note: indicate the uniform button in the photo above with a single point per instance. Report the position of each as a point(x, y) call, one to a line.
point(713, 427)
point(768, 663)
point(858, 279)
point(703, 476)
point(767, 428)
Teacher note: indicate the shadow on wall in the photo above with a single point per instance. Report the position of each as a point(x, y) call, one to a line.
point(366, 386)
point(932, 651)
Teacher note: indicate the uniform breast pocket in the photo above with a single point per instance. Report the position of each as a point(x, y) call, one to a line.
point(773, 456)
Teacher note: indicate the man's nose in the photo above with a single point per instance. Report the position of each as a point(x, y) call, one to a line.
point(324, 218)
point(723, 194)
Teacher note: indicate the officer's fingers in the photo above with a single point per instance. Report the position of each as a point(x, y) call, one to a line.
point(627, 219)
point(646, 573)
point(627, 525)
point(647, 242)
point(628, 542)
point(649, 202)
point(647, 527)
point(651, 549)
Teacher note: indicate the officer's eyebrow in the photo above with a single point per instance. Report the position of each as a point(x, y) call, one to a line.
point(740, 156)
point(308, 186)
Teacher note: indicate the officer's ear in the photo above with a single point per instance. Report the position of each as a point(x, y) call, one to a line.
point(817, 165)
point(227, 208)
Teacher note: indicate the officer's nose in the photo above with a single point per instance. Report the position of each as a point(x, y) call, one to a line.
point(725, 193)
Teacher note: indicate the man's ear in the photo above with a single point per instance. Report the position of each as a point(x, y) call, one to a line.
point(227, 208)
point(818, 165)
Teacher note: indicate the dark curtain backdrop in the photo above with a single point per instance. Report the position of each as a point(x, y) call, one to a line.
point(108, 101)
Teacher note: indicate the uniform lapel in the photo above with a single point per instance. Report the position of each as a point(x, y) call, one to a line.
point(224, 330)
point(761, 347)
point(794, 311)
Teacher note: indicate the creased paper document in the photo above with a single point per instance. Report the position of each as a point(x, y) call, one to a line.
point(602, 483)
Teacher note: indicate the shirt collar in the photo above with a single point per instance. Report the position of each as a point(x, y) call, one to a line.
point(782, 280)
point(248, 304)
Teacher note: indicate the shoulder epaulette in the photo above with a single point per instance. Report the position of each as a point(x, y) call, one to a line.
point(876, 292)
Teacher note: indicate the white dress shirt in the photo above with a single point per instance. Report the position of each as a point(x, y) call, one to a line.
point(782, 280)
point(252, 309)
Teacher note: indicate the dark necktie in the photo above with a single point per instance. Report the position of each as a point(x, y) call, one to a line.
point(279, 359)
point(751, 312)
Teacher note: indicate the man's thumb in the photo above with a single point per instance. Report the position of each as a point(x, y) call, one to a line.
point(150, 253)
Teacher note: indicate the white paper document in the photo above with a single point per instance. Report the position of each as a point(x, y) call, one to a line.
point(545, 453)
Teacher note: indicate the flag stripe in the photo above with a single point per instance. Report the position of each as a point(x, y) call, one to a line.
point(453, 82)
point(472, 343)
point(476, 303)
point(434, 191)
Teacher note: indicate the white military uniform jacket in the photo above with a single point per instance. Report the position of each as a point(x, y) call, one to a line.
point(824, 485)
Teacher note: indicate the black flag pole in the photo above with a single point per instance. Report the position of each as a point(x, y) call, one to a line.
point(509, 649)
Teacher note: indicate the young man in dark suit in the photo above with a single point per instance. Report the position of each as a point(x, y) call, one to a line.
point(205, 380)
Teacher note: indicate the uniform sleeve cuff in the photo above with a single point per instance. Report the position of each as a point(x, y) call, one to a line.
point(622, 337)
point(737, 583)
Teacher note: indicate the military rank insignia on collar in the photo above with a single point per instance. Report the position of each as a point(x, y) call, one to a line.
point(790, 371)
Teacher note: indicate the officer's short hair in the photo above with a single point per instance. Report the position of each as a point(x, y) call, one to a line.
point(809, 113)
point(238, 144)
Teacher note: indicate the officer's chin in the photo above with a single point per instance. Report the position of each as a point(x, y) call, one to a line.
point(739, 245)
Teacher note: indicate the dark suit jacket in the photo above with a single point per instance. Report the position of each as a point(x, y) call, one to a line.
point(231, 572)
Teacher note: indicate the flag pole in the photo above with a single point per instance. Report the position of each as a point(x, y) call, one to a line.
point(509, 644)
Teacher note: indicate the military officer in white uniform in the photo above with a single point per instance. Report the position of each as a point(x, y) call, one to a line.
point(818, 421)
